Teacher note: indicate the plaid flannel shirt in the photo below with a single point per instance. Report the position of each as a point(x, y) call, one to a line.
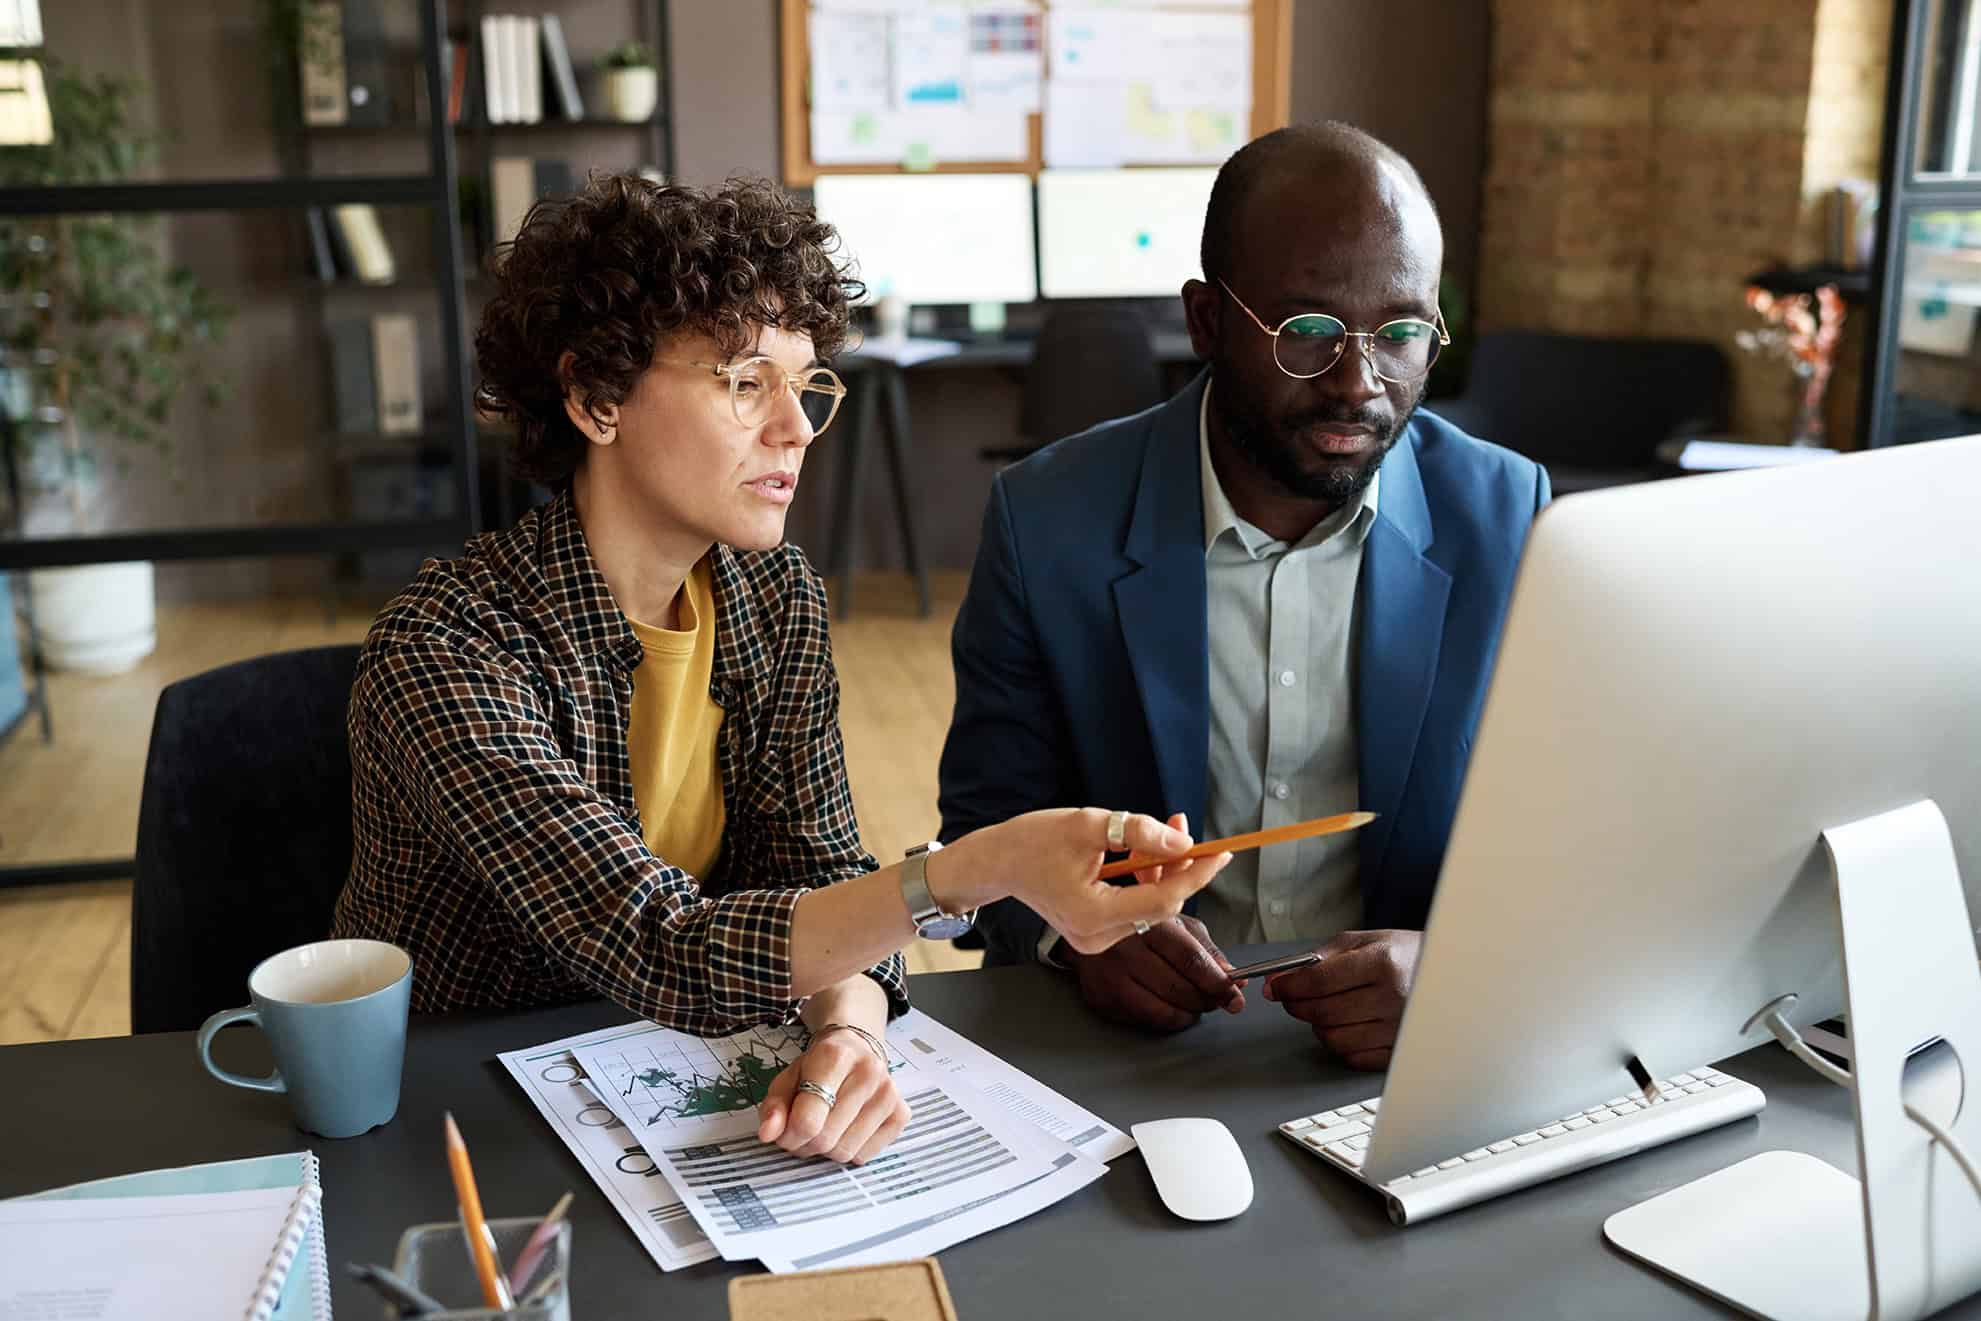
point(495, 832)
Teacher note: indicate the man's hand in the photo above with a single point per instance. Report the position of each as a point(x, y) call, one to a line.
point(1163, 980)
point(1353, 998)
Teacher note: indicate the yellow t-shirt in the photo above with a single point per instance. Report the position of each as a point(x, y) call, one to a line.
point(676, 728)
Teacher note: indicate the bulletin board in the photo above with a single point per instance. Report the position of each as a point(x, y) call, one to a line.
point(1026, 152)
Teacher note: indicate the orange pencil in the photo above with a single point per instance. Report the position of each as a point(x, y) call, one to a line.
point(1323, 825)
point(479, 1244)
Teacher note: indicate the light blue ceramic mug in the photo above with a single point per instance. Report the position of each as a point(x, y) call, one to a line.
point(334, 1013)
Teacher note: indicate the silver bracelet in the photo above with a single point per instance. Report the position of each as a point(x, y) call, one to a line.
point(873, 1042)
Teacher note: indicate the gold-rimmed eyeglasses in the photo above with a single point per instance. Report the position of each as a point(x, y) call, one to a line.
point(757, 383)
point(1308, 343)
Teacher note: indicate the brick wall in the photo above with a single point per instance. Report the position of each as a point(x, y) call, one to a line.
point(1646, 156)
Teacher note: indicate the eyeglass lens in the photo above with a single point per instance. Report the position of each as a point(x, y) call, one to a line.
point(758, 386)
point(1308, 345)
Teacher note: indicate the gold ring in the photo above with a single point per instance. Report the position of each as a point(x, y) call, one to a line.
point(1117, 831)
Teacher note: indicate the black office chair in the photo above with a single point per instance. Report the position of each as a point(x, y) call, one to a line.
point(1089, 364)
point(244, 829)
point(1592, 411)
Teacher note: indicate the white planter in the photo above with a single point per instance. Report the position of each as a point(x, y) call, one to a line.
point(95, 618)
point(631, 94)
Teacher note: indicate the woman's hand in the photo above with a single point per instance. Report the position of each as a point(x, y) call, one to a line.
point(1051, 861)
point(867, 1111)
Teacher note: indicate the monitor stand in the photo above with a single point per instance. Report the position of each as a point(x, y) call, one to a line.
point(1788, 1237)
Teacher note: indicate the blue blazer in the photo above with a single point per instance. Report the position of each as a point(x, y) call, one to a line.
point(1082, 670)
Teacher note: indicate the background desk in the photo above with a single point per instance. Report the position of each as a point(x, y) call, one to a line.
point(1312, 1243)
point(882, 391)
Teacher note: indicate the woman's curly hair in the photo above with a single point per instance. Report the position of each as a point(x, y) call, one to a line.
point(610, 273)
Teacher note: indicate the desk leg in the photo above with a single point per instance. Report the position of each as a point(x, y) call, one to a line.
point(846, 500)
point(898, 436)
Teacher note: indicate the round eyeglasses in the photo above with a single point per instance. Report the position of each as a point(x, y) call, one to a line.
point(1308, 343)
point(756, 384)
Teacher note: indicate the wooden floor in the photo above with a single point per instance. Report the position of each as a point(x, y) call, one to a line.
point(65, 950)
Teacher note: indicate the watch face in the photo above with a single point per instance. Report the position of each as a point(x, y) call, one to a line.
point(944, 927)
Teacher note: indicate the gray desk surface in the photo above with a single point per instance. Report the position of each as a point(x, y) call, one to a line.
point(1169, 346)
point(1312, 1243)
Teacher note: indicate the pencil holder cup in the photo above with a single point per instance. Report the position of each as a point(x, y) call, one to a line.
point(435, 1260)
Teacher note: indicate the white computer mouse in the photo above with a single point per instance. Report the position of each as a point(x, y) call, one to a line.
point(1197, 1166)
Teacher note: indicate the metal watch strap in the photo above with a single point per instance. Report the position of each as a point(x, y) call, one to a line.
point(931, 923)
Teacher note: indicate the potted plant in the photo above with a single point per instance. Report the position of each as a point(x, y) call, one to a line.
point(100, 336)
point(632, 83)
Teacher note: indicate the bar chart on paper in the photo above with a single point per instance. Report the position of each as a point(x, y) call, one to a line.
point(746, 1186)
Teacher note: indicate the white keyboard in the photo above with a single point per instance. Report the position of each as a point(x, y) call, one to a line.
point(1688, 1103)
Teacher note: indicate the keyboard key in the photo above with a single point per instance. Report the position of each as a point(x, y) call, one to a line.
point(1553, 1131)
point(1694, 1088)
point(1428, 1169)
point(1498, 1147)
point(1315, 1141)
point(1325, 1118)
point(1580, 1121)
point(1681, 1079)
point(1600, 1117)
point(1477, 1153)
point(1359, 1144)
point(1526, 1139)
point(1451, 1164)
point(1342, 1132)
point(1615, 1101)
point(1718, 1080)
point(1627, 1108)
point(1372, 1106)
point(1341, 1151)
point(1298, 1126)
point(1399, 1179)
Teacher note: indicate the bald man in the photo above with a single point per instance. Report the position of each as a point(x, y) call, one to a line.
point(1274, 597)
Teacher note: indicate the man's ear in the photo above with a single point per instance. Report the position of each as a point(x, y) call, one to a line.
point(601, 428)
point(1202, 311)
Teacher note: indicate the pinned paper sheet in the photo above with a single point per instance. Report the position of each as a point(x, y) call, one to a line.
point(1007, 60)
point(931, 55)
point(938, 133)
point(1200, 61)
point(850, 61)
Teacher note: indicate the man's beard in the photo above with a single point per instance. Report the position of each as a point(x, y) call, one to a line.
point(1272, 445)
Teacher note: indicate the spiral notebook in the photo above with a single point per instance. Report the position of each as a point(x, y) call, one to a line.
point(118, 1247)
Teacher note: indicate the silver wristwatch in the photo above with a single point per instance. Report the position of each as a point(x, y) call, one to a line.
point(931, 923)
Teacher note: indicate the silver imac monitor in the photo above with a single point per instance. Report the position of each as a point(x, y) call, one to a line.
point(1696, 679)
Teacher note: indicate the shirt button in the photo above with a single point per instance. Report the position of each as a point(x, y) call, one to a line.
point(1278, 907)
point(1286, 678)
point(1280, 790)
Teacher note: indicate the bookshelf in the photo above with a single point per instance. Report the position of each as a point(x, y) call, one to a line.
point(242, 175)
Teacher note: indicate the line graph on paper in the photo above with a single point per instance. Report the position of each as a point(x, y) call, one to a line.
point(667, 1078)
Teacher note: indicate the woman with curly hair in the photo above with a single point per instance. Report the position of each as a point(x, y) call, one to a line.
point(599, 753)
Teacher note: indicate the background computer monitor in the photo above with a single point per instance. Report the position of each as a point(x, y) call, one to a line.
point(1697, 678)
point(1120, 233)
point(935, 238)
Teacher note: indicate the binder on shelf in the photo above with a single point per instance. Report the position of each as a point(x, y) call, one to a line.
point(355, 401)
point(366, 63)
point(371, 255)
point(516, 183)
point(395, 344)
point(530, 55)
point(494, 103)
point(563, 75)
point(455, 57)
point(512, 68)
point(323, 260)
point(321, 63)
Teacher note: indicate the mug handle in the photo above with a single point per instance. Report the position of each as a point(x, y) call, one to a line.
point(211, 1029)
